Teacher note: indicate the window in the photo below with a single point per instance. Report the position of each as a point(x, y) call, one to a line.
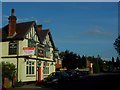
point(30, 67)
point(46, 68)
point(31, 43)
point(47, 51)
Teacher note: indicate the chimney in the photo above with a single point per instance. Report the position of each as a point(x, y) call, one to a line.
point(12, 24)
point(39, 27)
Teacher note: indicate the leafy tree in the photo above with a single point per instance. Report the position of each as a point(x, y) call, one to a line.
point(83, 59)
point(113, 60)
point(117, 62)
point(117, 45)
point(70, 60)
point(96, 68)
point(8, 70)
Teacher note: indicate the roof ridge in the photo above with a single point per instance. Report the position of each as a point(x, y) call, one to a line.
point(25, 22)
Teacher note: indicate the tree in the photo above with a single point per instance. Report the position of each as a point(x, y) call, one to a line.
point(83, 59)
point(113, 60)
point(113, 63)
point(8, 70)
point(70, 60)
point(117, 62)
point(96, 68)
point(117, 45)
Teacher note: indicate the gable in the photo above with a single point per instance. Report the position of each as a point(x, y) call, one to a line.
point(32, 34)
point(48, 40)
point(21, 30)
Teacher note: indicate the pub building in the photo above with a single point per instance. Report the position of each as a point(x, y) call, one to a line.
point(30, 48)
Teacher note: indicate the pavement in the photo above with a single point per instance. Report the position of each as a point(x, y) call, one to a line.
point(29, 86)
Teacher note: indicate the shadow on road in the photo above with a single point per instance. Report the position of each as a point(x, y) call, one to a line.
point(93, 82)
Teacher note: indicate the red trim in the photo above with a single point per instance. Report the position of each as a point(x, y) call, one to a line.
point(28, 48)
point(39, 74)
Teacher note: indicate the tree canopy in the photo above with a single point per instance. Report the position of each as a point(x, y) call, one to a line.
point(8, 70)
point(71, 60)
point(117, 45)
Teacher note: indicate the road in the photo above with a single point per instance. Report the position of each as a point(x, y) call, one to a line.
point(92, 82)
point(95, 82)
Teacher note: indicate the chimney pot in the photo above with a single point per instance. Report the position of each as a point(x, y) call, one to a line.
point(12, 12)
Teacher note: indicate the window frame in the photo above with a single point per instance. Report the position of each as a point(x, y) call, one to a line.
point(30, 68)
point(46, 68)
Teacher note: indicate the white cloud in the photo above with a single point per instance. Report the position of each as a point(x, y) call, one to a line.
point(5, 17)
point(98, 31)
point(26, 19)
point(47, 20)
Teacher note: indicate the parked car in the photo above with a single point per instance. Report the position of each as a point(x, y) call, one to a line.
point(56, 78)
point(76, 74)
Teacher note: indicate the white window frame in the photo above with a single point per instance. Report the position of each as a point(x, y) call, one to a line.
point(46, 68)
point(30, 68)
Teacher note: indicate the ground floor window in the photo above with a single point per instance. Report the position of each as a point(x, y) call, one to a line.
point(30, 67)
point(46, 68)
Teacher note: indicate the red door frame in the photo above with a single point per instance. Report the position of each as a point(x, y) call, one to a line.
point(39, 74)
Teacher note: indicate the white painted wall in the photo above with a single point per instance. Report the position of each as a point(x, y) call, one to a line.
point(5, 48)
point(23, 76)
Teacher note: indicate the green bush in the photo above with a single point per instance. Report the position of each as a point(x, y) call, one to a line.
point(8, 70)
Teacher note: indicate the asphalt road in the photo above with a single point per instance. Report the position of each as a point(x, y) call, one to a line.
point(94, 82)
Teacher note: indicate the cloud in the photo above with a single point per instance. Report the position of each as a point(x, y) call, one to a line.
point(47, 20)
point(98, 31)
point(5, 17)
point(92, 35)
point(26, 19)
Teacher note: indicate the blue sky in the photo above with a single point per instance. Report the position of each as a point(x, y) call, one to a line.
point(86, 28)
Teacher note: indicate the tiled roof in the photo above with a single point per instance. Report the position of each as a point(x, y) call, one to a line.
point(21, 30)
point(42, 34)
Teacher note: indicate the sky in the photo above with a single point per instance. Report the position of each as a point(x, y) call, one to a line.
point(86, 28)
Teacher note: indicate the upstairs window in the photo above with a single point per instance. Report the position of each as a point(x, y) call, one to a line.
point(47, 51)
point(31, 43)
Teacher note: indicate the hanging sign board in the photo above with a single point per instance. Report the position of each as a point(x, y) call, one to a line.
point(28, 51)
point(12, 47)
